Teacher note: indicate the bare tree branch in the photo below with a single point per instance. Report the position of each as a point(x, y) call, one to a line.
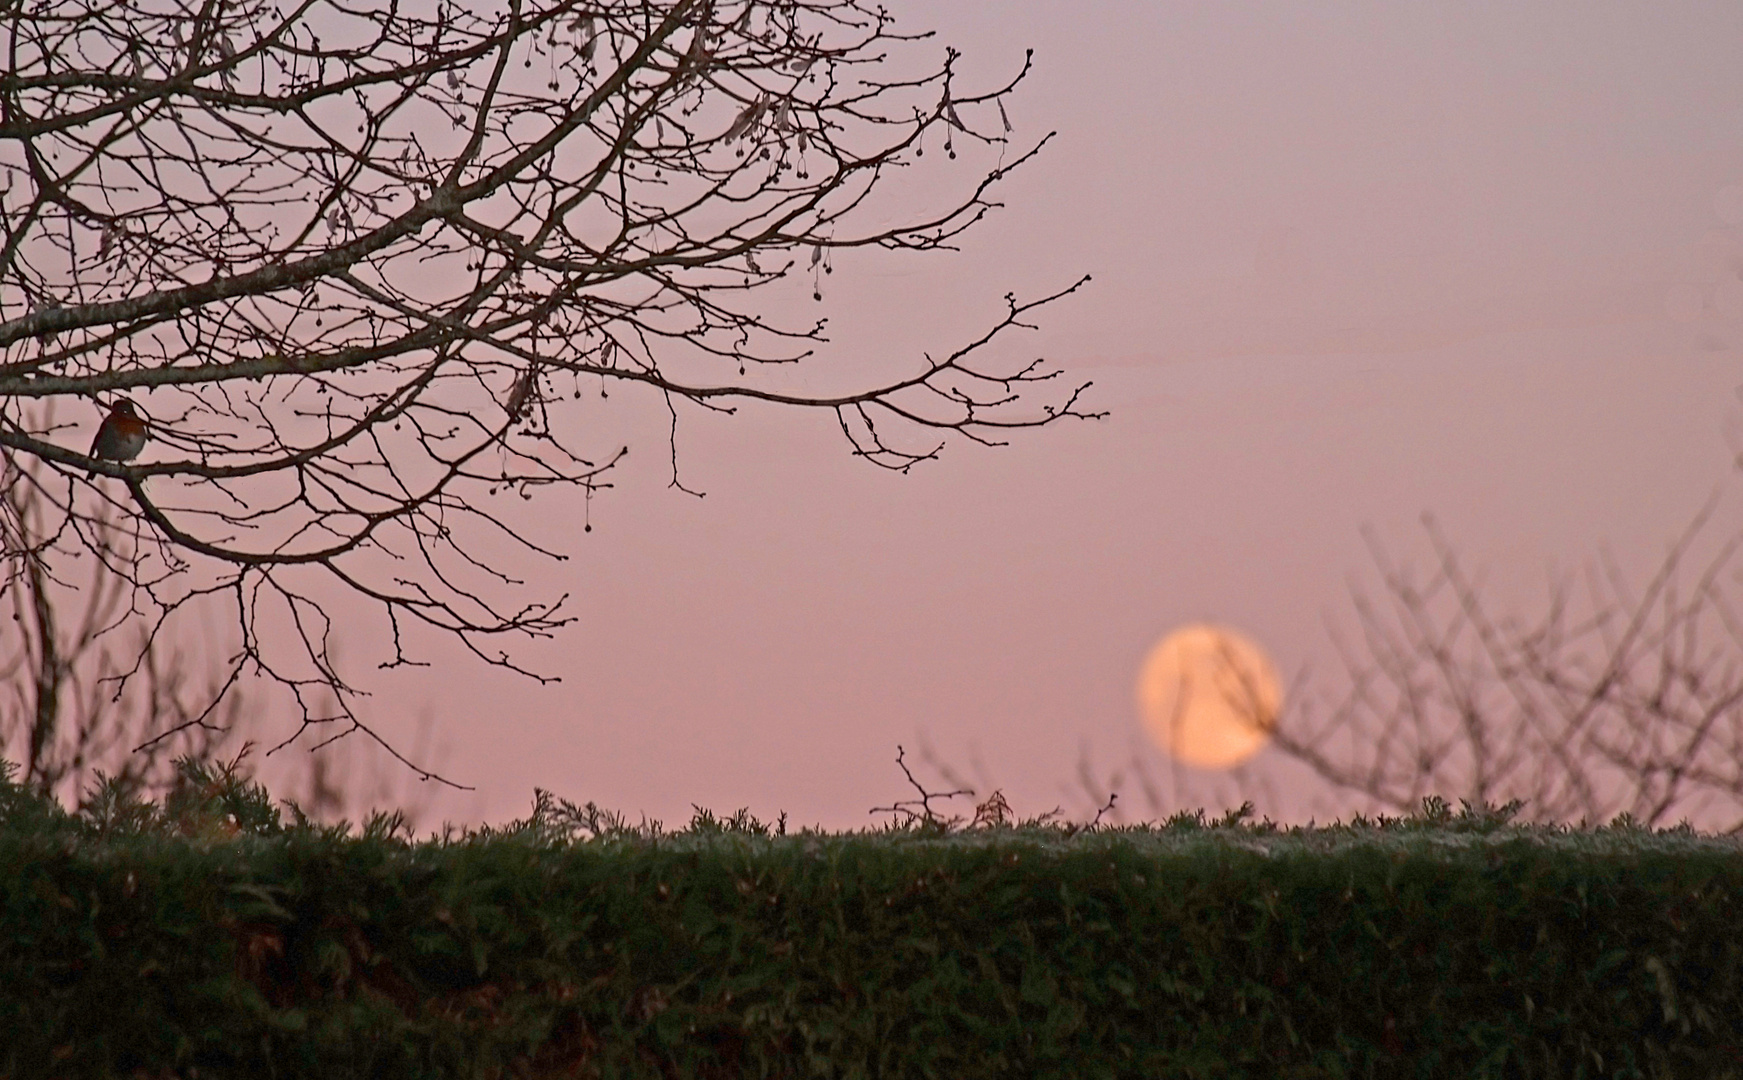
point(356, 263)
point(1618, 702)
point(77, 693)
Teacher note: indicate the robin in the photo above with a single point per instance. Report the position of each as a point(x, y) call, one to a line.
point(122, 434)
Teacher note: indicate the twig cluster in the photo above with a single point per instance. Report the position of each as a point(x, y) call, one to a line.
point(364, 268)
point(1617, 702)
point(1626, 701)
point(88, 699)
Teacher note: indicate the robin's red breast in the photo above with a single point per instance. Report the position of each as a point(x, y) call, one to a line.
point(122, 434)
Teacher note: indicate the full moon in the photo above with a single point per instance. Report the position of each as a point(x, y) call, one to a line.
point(1209, 696)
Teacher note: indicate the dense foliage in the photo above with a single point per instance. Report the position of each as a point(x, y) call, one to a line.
point(213, 934)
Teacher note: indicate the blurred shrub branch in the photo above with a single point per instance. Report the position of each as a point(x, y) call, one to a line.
point(1615, 699)
point(83, 690)
point(97, 708)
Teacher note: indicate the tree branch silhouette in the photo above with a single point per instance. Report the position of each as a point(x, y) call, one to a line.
point(357, 265)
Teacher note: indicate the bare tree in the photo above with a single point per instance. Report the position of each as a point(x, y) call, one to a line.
point(356, 263)
point(90, 694)
point(1616, 699)
point(88, 699)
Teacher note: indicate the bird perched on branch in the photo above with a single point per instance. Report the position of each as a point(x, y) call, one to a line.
point(121, 436)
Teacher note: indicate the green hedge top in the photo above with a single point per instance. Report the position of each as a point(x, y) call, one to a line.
point(208, 934)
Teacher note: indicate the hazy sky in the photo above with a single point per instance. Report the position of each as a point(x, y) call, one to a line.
point(1353, 263)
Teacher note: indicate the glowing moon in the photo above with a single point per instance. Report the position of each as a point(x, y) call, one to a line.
point(1209, 696)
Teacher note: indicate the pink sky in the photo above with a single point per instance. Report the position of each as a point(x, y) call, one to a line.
point(1352, 263)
